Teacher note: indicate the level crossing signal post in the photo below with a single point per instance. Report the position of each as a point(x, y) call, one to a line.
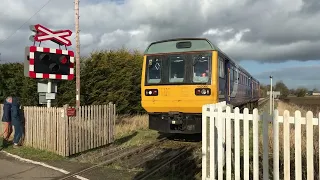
point(272, 95)
point(48, 64)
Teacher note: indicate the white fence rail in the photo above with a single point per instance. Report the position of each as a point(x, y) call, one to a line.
point(221, 136)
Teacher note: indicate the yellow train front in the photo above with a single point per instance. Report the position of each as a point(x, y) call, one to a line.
point(179, 76)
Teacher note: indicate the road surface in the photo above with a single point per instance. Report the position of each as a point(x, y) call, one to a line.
point(11, 168)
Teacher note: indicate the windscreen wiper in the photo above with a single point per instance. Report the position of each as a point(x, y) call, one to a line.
point(198, 59)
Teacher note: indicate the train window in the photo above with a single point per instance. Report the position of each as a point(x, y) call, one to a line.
point(201, 68)
point(177, 66)
point(242, 79)
point(221, 68)
point(154, 70)
point(231, 74)
point(184, 44)
point(235, 75)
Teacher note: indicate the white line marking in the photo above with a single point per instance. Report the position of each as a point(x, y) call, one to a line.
point(44, 165)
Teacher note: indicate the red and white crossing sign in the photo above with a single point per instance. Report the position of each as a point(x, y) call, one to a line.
point(44, 34)
point(40, 75)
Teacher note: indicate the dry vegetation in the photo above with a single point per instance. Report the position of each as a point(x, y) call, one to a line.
point(308, 103)
point(128, 124)
point(134, 131)
point(292, 108)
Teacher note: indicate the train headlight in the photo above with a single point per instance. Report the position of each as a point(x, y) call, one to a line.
point(151, 92)
point(202, 91)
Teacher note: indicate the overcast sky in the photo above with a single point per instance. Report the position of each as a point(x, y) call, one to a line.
point(278, 37)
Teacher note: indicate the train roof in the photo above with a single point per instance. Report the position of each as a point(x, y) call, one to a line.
point(201, 44)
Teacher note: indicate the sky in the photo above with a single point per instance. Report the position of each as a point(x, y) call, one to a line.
point(275, 37)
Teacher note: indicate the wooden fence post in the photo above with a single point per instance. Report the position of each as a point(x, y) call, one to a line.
point(65, 119)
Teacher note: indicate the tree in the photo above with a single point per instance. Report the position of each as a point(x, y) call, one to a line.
point(301, 92)
point(263, 90)
point(292, 91)
point(13, 83)
point(106, 76)
point(284, 91)
point(113, 76)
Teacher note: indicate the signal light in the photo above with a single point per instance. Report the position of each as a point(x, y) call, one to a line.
point(63, 60)
point(202, 91)
point(51, 63)
point(47, 60)
point(151, 92)
point(48, 63)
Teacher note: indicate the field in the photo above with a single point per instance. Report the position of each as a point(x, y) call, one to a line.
point(308, 103)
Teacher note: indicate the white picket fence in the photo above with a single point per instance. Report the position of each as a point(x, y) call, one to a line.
point(221, 136)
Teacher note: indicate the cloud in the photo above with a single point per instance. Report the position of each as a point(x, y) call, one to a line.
point(264, 31)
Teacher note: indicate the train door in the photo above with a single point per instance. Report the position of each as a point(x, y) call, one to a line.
point(227, 81)
point(252, 88)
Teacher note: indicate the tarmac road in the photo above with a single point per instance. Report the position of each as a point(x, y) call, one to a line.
point(11, 168)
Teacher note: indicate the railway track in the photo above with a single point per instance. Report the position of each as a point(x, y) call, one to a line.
point(114, 155)
point(262, 101)
point(162, 167)
point(162, 157)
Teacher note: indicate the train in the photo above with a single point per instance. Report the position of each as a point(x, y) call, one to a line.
point(181, 75)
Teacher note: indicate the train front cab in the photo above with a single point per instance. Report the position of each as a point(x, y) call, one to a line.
point(177, 107)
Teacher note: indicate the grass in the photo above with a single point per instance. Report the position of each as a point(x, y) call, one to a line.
point(32, 153)
point(281, 106)
point(292, 108)
point(134, 131)
point(308, 103)
point(129, 124)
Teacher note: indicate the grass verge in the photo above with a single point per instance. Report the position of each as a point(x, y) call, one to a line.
point(133, 131)
point(32, 153)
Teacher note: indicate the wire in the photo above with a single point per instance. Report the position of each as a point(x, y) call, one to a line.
point(25, 22)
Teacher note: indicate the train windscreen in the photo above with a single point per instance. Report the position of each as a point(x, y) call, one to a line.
point(184, 68)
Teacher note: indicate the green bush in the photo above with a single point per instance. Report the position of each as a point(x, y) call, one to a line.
point(106, 76)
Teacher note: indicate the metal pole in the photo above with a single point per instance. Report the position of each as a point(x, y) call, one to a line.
point(77, 58)
point(270, 95)
point(49, 91)
point(272, 102)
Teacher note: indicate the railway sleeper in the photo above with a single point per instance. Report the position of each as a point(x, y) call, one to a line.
point(177, 166)
point(162, 164)
point(141, 160)
point(193, 174)
point(187, 169)
point(109, 152)
point(166, 157)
